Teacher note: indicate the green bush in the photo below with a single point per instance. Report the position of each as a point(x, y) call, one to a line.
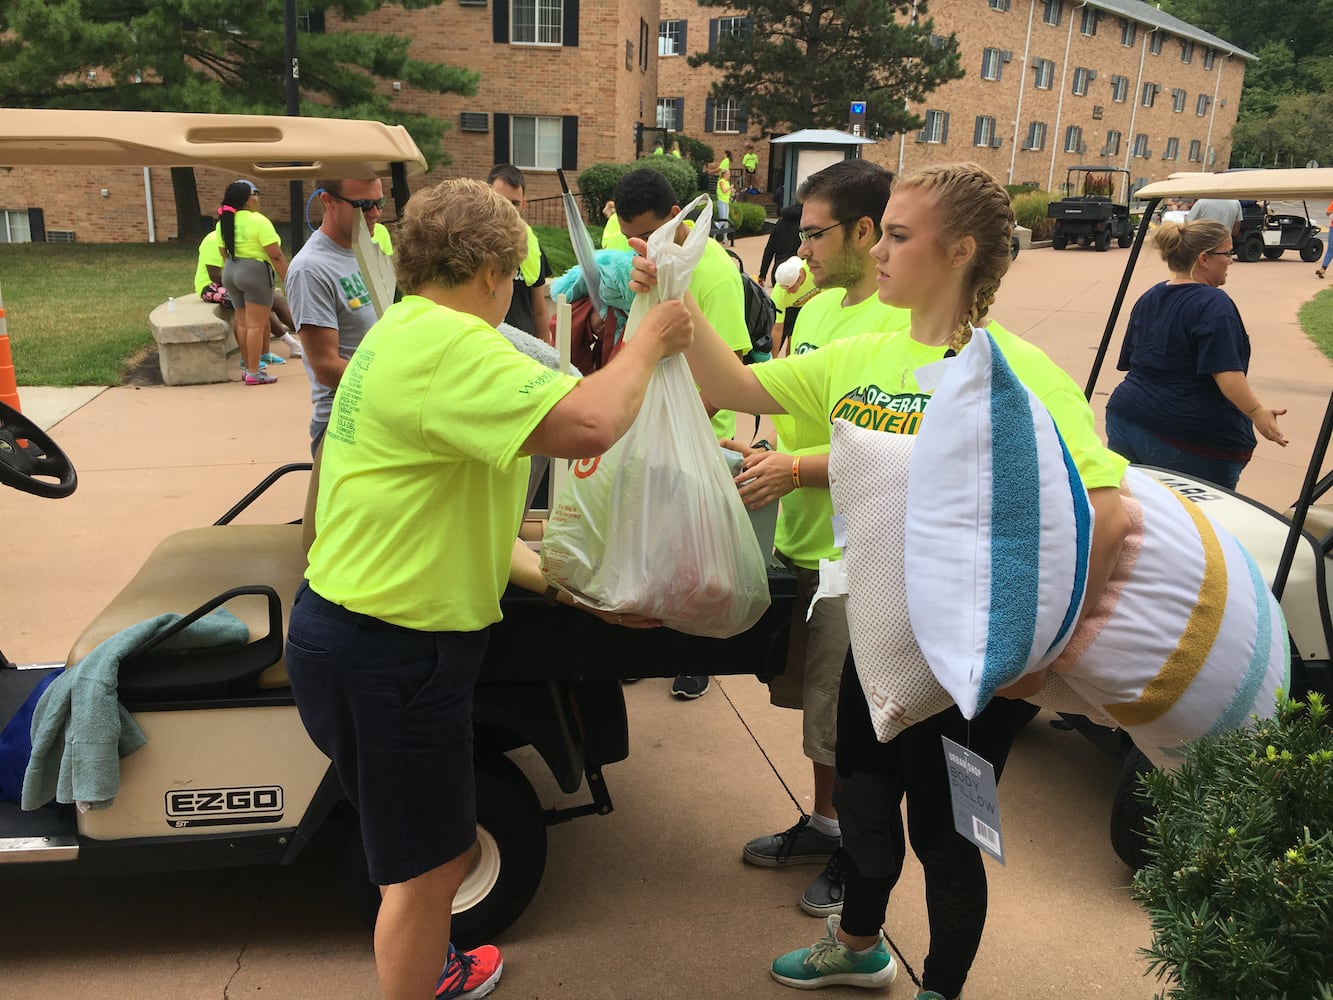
point(1239, 888)
point(597, 184)
point(681, 175)
point(747, 219)
point(1030, 211)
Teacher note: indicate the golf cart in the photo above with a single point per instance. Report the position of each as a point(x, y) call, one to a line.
point(1092, 218)
point(1269, 230)
point(1293, 548)
point(228, 776)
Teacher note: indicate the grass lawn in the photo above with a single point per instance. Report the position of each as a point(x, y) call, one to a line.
point(1316, 319)
point(77, 313)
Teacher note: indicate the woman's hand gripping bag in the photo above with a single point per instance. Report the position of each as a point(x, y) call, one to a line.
point(868, 483)
point(1186, 639)
point(998, 529)
point(655, 526)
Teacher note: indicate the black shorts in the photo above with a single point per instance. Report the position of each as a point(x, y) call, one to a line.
point(392, 708)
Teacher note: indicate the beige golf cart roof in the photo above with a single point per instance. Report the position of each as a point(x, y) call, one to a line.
point(254, 145)
point(1297, 184)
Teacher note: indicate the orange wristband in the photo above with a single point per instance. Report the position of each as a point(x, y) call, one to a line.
point(796, 473)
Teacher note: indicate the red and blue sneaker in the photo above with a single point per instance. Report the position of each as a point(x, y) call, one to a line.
point(470, 975)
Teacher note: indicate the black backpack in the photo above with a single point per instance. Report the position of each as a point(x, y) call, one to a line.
point(760, 315)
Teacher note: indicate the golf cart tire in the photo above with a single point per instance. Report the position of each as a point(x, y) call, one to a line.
point(508, 867)
point(1273, 253)
point(1251, 249)
point(1130, 813)
point(1125, 242)
point(1059, 242)
point(1312, 251)
point(1102, 241)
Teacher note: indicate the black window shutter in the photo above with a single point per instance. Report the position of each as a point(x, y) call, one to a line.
point(569, 143)
point(747, 26)
point(680, 114)
point(500, 23)
point(683, 25)
point(944, 135)
point(712, 33)
point(501, 125)
point(743, 120)
point(708, 114)
point(571, 26)
point(37, 225)
point(976, 132)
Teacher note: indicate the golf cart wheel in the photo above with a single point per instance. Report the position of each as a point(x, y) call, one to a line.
point(1125, 242)
point(1130, 812)
point(1102, 241)
point(1251, 249)
point(506, 869)
point(1272, 253)
point(1059, 241)
point(1312, 251)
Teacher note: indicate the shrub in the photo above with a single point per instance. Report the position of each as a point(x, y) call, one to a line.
point(596, 185)
point(682, 176)
point(1030, 212)
point(1239, 888)
point(747, 219)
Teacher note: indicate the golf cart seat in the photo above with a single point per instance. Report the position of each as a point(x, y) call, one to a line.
point(1318, 519)
point(187, 571)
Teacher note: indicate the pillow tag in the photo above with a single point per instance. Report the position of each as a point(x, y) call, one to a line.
point(976, 803)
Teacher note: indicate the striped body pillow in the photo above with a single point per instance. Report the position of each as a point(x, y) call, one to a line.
point(998, 530)
point(1186, 640)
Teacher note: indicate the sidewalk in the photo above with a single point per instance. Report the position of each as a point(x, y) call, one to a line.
point(652, 901)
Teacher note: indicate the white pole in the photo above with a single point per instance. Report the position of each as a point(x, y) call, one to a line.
point(148, 201)
point(563, 339)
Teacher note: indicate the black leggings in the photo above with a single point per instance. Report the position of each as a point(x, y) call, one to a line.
point(873, 777)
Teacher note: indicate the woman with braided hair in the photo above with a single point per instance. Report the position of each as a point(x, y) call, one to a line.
point(252, 254)
point(944, 249)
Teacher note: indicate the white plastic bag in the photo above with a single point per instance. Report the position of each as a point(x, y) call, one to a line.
point(655, 526)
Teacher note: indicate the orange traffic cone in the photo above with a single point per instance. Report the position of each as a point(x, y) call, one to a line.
point(9, 389)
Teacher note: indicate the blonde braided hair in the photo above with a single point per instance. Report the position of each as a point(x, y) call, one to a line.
point(970, 202)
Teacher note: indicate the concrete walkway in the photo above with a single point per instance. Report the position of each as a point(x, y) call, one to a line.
point(652, 901)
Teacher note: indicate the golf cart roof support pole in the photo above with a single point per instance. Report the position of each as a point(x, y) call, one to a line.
point(398, 171)
point(1119, 302)
point(1303, 503)
point(295, 189)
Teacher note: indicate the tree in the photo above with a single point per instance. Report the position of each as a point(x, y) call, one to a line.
point(1299, 129)
point(800, 63)
point(202, 56)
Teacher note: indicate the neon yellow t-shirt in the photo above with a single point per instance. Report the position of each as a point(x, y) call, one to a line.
point(717, 288)
point(612, 237)
point(675, 151)
point(530, 268)
point(805, 292)
point(422, 484)
point(382, 239)
point(724, 166)
point(253, 232)
point(724, 189)
point(870, 380)
point(750, 161)
point(210, 254)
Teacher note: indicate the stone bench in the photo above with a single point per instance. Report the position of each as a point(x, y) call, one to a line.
point(195, 344)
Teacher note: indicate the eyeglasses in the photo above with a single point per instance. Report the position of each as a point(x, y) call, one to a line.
point(364, 204)
point(1219, 253)
point(810, 237)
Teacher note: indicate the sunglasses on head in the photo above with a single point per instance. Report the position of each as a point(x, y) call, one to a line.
point(363, 204)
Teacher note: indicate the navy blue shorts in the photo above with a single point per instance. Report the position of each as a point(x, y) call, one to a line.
point(392, 708)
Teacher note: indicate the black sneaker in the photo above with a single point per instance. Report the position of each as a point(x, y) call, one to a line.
point(689, 686)
point(824, 896)
point(800, 845)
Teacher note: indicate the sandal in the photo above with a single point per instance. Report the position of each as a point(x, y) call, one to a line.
point(1318, 272)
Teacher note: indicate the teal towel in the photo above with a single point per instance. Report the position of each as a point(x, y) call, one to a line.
point(79, 728)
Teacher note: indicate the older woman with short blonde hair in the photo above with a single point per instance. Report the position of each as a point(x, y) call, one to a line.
point(420, 497)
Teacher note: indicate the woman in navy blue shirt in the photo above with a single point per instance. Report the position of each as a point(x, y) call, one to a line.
point(1185, 404)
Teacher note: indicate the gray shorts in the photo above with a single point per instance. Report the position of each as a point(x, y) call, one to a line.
point(248, 282)
point(816, 651)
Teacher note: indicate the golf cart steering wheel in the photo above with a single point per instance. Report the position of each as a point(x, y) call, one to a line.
point(30, 461)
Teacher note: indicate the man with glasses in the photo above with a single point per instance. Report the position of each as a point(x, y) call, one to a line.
point(527, 309)
point(329, 297)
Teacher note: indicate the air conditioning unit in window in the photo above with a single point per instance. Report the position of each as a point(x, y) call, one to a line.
point(60, 236)
point(1006, 56)
point(474, 121)
point(1082, 148)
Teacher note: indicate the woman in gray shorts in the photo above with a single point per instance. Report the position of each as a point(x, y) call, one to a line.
point(252, 254)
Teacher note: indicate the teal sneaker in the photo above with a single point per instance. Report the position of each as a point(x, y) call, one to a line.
point(829, 962)
point(931, 995)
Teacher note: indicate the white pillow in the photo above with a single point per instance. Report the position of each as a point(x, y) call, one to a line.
point(998, 530)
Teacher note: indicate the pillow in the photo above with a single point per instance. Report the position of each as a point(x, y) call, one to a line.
point(998, 529)
point(868, 484)
point(1186, 639)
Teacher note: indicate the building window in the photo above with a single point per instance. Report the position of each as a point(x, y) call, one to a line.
point(1172, 151)
point(937, 128)
point(629, 54)
point(670, 113)
point(727, 115)
point(984, 133)
point(1141, 146)
point(1044, 76)
point(311, 22)
point(1196, 151)
point(1053, 12)
point(670, 38)
point(1129, 32)
point(1097, 112)
point(643, 46)
point(1119, 89)
point(1150, 92)
point(14, 227)
point(1000, 5)
point(536, 142)
point(1202, 104)
point(1082, 77)
point(992, 64)
point(1112, 147)
point(1209, 57)
point(722, 28)
point(1036, 136)
point(1177, 100)
point(538, 22)
point(1186, 51)
point(1155, 41)
point(1087, 24)
point(1074, 139)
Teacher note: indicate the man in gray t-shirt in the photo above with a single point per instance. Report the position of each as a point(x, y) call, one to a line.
point(1224, 210)
point(329, 298)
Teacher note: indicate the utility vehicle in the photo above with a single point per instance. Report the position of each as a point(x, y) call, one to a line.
point(1095, 216)
point(1269, 230)
point(228, 776)
point(1293, 547)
